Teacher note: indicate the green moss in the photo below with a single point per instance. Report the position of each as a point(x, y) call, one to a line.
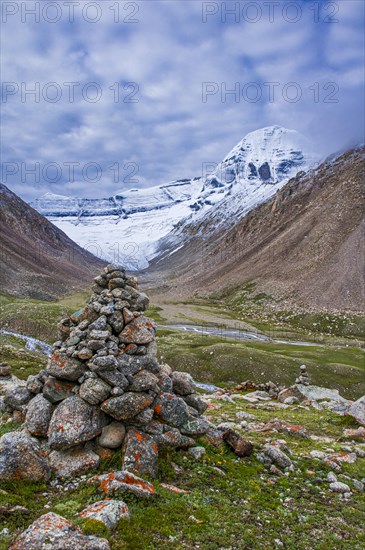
point(95, 527)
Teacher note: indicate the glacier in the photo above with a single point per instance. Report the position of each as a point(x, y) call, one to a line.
point(134, 226)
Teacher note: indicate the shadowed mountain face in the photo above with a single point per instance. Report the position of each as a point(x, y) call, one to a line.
point(304, 246)
point(37, 259)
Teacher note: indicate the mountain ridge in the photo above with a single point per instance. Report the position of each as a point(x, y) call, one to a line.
point(38, 260)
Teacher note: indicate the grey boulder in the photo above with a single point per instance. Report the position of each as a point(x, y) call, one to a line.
point(21, 459)
point(52, 531)
point(94, 390)
point(357, 410)
point(74, 422)
point(39, 414)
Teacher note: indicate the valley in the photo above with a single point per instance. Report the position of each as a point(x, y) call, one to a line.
point(335, 357)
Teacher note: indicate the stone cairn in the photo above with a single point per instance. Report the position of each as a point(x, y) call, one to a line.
point(103, 388)
point(5, 371)
point(303, 378)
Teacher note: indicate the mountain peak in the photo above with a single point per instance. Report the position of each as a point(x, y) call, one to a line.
point(260, 164)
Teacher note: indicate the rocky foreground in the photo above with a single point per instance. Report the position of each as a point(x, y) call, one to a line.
point(104, 416)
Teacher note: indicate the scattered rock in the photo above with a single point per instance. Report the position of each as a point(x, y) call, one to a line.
point(358, 433)
point(317, 393)
point(357, 410)
point(278, 457)
point(240, 446)
point(197, 452)
point(53, 531)
point(358, 485)
point(124, 481)
point(338, 487)
point(108, 512)
point(331, 477)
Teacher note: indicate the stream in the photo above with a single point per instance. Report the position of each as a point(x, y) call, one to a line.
point(236, 334)
point(30, 343)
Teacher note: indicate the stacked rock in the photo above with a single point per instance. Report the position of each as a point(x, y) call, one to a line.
point(5, 370)
point(303, 378)
point(103, 388)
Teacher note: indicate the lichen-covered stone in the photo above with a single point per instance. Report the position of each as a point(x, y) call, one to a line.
point(56, 390)
point(39, 414)
point(195, 427)
point(174, 439)
point(141, 330)
point(74, 422)
point(140, 453)
point(108, 512)
point(182, 383)
point(22, 459)
point(63, 367)
point(16, 399)
point(114, 378)
point(52, 531)
point(126, 406)
point(73, 462)
point(195, 402)
point(34, 384)
point(124, 481)
point(144, 381)
point(142, 302)
point(94, 390)
point(173, 410)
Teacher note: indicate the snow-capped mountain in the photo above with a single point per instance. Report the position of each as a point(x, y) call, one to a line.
point(133, 226)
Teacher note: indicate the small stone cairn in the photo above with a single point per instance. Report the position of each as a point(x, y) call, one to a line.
point(5, 371)
point(103, 389)
point(303, 378)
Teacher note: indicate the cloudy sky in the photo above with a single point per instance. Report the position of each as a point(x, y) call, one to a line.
point(103, 96)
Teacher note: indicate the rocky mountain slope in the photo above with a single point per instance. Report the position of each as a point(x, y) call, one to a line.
point(304, 245)
point(128, 226)
point(37, 259)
